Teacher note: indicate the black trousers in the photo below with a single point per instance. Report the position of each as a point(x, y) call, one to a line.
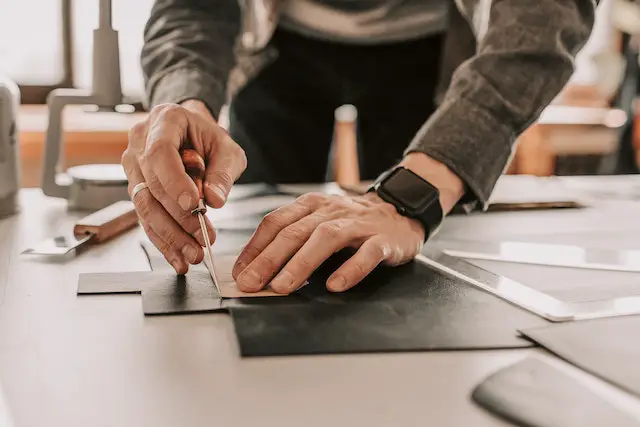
point(284, 117)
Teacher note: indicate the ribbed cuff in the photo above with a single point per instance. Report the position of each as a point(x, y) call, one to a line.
point(182, 84)
point(471, 142)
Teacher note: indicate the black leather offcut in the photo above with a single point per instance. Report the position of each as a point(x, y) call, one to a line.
point(532, 393)
point(163, 292)
point(406, 308)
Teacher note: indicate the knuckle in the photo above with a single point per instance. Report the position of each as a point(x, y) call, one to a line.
point(155, 147)
point(169, 112)
point(380, 251)
point(249, 252)
point(170, 238)
point(242, 158)
point(294, 233)
point(311, 199)
point(268, 263)
point(127, 160)
point(304, 264)
point(137, 132)
point(331, 229)
point(359, 270)
point(166, 250)
point(223, 177)
point(143, 204)
point(273, 220)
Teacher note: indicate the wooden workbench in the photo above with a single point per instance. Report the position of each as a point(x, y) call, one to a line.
point(68, 361)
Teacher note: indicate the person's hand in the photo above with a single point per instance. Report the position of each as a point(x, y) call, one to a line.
point(165, 206)
point(292, 241)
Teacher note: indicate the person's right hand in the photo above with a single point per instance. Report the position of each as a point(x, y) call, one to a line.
point(164, 208)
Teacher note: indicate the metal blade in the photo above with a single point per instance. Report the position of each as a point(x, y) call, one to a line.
point(60, 245)
point(208, 252)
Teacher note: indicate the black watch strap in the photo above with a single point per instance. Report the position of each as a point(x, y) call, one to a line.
point(412, 196)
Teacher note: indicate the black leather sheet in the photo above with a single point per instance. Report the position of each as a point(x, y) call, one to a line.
point(533, 393)
point(406, 308)
point(608, 348)
point(163, 292)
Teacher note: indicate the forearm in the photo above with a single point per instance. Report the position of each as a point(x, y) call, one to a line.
point(188, 51)
point(524, 57)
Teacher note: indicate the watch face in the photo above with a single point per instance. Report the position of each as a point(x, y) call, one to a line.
point(411, 190)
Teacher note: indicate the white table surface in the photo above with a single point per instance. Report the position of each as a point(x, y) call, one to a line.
point(68, 361)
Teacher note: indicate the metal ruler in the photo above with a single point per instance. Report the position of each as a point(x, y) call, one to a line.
point(525, 296)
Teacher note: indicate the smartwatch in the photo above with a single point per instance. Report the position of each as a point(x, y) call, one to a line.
point(412, 197)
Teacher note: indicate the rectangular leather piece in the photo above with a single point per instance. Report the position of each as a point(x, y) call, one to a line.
point(406, 308)
point(608, 348)
point(533, 393)
point(162, 292)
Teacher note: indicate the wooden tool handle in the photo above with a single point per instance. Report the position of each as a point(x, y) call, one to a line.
point(108, 222)
point(194, 165)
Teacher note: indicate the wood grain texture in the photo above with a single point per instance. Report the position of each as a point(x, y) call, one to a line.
point(109, 222)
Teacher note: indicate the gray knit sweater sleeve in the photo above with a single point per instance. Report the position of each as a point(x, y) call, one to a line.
point(188, 51)
point(523, 57)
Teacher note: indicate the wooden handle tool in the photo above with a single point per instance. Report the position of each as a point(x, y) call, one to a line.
point(95, 228)
point(108, 222)
point(196, 167)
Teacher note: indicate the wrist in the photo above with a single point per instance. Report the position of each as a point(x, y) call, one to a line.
point(199, 107)
point(436, 173)
point(417, 226)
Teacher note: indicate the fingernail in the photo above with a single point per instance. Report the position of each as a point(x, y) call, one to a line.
point(184, 201)
point(250, 280)
point(190, 253)
point(338, 283)
point(219, 191)
point(283, 283)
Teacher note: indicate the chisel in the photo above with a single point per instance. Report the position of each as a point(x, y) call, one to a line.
point(195, 167)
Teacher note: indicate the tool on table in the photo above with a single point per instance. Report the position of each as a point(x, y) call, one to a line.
point(525, 296)
point(9, 148)
point(96, 228)
point(545, 254)
point(195, 167)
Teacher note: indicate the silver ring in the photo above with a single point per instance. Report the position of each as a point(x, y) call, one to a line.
point(138, 188)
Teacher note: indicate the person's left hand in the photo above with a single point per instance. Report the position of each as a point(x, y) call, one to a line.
point(292, 241)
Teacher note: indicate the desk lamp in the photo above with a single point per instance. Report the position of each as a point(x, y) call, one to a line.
point(87, 187)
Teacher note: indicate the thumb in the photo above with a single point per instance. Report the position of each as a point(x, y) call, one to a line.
point(224, 167)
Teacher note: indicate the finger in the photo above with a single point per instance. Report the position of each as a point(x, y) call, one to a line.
point(185, 218)
point(158, 219)
point(146, 207)
point(226, 163)
point(368, 256)
point(173, 257)
point(270, 226)
point(262, 269)
point(160, 161)
point(328, 238)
